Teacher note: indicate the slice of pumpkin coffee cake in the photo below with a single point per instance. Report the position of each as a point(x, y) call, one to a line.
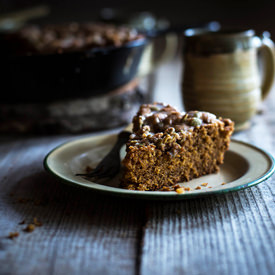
point(167, 147)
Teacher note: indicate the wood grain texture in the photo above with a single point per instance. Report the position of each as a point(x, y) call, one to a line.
point(81, 232)
point(87, 233)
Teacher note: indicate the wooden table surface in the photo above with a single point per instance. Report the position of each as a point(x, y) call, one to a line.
point(87, 233)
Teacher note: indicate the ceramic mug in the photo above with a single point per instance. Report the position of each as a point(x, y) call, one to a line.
point(221, 73)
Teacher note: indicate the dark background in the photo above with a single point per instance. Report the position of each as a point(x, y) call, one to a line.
point(259, 15)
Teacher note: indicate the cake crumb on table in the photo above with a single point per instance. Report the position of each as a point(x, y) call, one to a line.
point(187, 189)
point(36, 222)
point(204, 184)
point(198, 188)
point(223, 183)
point(13, 235)
point(30, 227)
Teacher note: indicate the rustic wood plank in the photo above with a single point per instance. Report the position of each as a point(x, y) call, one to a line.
point(228, 234)
point(81, 232)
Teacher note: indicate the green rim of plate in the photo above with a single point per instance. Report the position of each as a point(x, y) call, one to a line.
point(160, 195)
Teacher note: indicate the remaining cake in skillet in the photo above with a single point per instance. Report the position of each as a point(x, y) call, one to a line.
point(168, 147)
point(62, 38)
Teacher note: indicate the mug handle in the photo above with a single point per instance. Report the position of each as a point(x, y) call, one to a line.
point(268, 56)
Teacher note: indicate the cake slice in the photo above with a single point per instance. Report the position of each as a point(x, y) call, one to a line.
point(167, 147)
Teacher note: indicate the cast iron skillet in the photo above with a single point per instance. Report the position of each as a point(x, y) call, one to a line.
point(51, 77)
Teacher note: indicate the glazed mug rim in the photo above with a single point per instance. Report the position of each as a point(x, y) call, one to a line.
point(220, 33)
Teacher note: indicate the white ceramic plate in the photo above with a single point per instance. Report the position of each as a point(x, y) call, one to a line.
point(244, 166)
